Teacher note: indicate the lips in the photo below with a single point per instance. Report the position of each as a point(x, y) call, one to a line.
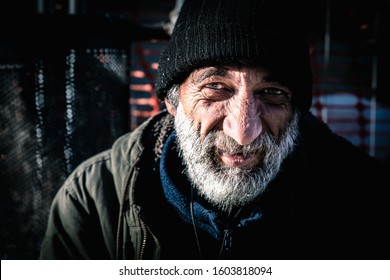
point(239, 159)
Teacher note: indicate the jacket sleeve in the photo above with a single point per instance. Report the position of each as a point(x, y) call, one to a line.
point(71, 232)
point(84, 214)
point(63, 235)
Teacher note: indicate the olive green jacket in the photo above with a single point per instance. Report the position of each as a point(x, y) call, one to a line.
point(95, 215)
point(329, 201)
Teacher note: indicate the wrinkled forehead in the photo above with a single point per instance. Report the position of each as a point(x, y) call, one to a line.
point(228, 70)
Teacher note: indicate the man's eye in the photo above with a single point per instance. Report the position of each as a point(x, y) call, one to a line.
point(216, 91)
point(273, 91)
point(273, 96)
point(216, 86)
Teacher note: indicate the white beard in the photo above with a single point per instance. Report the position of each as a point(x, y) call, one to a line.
point(224, 186)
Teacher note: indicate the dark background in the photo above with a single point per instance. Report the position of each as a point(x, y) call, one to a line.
point(76, 74)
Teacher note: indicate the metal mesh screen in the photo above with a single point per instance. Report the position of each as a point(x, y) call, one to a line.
point(55, 112)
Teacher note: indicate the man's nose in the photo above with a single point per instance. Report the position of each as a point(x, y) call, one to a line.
point(243, 122)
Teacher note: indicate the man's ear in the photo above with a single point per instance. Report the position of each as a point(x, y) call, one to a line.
point(171, 109)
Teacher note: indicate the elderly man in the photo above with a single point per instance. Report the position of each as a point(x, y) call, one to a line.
point(236, 167)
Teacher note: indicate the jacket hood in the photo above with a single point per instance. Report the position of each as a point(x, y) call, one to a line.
point(127, 150)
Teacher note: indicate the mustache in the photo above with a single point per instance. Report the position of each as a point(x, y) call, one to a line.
point(224, 143)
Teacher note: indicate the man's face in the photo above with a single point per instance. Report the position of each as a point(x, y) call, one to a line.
point(235, 126)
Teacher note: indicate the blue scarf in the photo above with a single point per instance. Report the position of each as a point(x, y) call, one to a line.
point(177, 190)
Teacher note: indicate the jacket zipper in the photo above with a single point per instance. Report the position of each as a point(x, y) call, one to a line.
point(226, 246)
point(145, 239)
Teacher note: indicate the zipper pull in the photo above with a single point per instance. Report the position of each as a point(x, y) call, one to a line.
point(227, 244)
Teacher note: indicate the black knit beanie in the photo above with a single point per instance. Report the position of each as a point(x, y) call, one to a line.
point(217, 32)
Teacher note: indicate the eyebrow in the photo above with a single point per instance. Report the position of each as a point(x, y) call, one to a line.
point(272, 78)
point(223, 71)
point(212, 71)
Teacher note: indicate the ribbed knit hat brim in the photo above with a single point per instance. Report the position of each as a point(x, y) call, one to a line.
point(213, 32)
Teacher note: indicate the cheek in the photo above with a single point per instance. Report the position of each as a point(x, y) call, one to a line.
point(211, 116)
point(277, 120)
point(204, 115)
